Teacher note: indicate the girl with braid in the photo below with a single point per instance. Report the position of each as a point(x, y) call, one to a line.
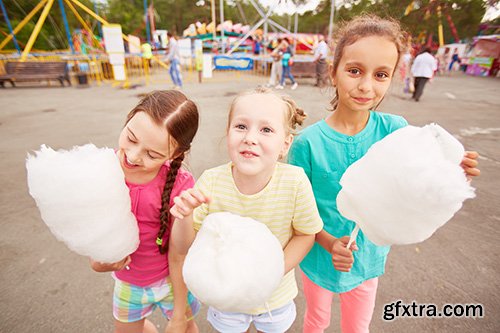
point(152, 145)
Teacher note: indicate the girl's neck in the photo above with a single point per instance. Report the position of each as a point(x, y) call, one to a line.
point(141, 179)
point(251, 184)
point(348, 122)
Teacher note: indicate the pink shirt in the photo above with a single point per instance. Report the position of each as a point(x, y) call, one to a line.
point(148, 265)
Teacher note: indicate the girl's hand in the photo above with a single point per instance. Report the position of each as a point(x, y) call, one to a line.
point(177, 325)
point(105, 267)
point(186, 202)
point(469, 164)
point(342, 257)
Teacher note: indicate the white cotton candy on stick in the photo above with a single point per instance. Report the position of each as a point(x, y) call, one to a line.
point(234, 264)
point(406, 186)
point(83, 199)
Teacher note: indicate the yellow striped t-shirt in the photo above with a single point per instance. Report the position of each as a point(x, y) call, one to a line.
point(286, 203)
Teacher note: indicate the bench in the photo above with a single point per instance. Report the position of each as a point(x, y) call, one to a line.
point(35, 71)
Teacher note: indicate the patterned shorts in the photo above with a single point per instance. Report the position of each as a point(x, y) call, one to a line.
point(132, 303)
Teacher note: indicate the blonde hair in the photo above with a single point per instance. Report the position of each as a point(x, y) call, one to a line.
point(294, 115)
point(366, 26)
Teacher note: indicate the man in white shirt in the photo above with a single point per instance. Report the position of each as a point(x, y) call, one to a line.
point(320, 54)
point(422, 70)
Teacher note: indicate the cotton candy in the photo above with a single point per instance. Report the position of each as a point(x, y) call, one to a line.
point(234, 264)
point(83, 199)
point(406, 186)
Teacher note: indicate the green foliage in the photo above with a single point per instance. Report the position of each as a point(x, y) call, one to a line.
point(465, 14)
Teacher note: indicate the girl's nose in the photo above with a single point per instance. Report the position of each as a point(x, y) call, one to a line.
point(365, 84)
point(133, 156)
point(250, 138)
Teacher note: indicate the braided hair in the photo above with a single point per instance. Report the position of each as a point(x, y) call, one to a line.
point(179, 115)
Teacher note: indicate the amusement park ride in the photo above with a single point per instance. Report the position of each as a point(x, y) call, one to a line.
point(83, 39)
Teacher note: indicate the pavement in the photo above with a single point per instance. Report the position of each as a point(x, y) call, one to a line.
point(44, 287)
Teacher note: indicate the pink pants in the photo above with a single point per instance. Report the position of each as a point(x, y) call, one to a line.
point(356, 307)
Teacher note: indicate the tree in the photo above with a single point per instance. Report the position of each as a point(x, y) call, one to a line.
point(465, 14)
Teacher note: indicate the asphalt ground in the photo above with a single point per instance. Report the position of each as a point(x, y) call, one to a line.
point(44, 287)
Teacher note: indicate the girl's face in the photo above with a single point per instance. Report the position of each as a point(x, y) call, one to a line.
point(143, 148)
point(257, 136)
point(364, 73)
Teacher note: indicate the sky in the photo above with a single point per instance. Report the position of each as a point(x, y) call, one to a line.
point(288, 7)
point(492, 13)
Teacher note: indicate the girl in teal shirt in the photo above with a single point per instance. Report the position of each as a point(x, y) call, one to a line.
point(366, 56)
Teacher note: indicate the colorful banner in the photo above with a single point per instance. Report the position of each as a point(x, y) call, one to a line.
point(479, 66)
point(226, 62)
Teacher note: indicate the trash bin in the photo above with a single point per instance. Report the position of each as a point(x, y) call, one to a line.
point(82, 75)
point(82, 79)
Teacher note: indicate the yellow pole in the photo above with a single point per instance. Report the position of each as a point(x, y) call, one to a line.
point(440, 27)
point(91, 13)
point(97, 17)
point(212, 4)
point(36, 30)
point(82, 21)
point(146, 69)
point(23, 23)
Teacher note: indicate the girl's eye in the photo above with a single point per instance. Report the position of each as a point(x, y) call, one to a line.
point(131, 140)
point(151, 156)
point(240, 127)
point(354, 71)
point(267, 130)
point(382, 75)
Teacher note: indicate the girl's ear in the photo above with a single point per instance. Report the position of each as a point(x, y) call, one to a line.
point(286, 146)
point(332, 75)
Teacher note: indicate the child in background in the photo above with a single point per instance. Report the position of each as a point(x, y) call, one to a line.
point(152, 145)
point(287, 61)
point(367, 53)
point(454, 58)
point(254, 184)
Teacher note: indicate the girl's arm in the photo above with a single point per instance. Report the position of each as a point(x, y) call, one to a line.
point(178, 322)
point(105, 267)
point(183, 231)
point(296, 249)
point(342, 257)
point(183, 234)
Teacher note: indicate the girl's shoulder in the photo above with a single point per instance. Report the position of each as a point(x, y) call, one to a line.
point(223, 170)
point(291, 173)
point(390, 122)
point(182, 173)
point(310, 130)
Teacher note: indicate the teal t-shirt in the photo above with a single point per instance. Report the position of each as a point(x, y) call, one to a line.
point(325, 154)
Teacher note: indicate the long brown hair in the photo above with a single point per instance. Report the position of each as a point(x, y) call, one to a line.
point(366, 26)
point(179, 115)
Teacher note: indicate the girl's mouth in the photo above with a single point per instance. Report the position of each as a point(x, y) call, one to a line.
point(248, 154)
point(362, 100)
point(127, 163)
